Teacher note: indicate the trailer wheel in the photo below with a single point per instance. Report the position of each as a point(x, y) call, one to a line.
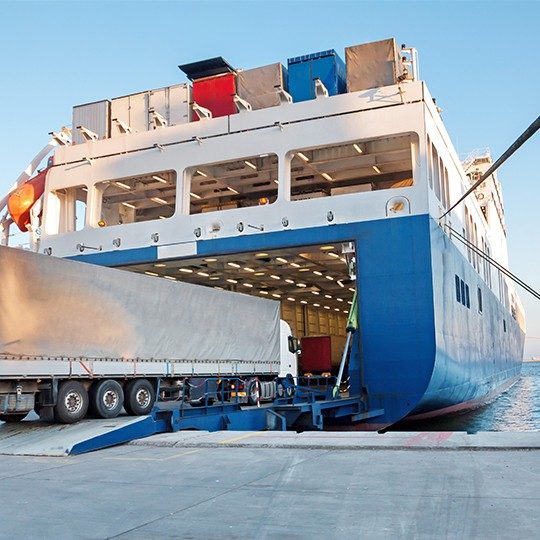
point(12, 418)
point(71, 402)
point(139, 397)
point(106, 398)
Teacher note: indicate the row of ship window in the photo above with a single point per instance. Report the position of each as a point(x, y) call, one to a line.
point(463, 296)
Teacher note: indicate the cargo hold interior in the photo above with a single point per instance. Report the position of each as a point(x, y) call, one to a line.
point(312, 284)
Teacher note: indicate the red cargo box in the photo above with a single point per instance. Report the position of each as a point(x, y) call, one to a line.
point(216, 94)
point(316, 354)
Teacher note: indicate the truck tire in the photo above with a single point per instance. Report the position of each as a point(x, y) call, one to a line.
point(139, 397)
point(12, 417)
point(71, 402)
point(106, 398)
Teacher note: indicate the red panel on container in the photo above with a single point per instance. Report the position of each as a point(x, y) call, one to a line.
point(316, 355)
point(216, 94)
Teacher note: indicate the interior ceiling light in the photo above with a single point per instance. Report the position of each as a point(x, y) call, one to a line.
point(329, 277)
point(351, 289)
point(304, 270)
point(328, 296)
point(263, 292)
point(186, 270)
point(357, 148)
point(204, 274)
point(159, 179)
point(247, 285)
point(289, 281)
point(340, 283)
point(276, 182)
point(261, 255)
point(151, 274)
point(336, 309)
point(317, 305)
point(317, 273)
point(327, 176)
point(122, 185)
point(195, 196)
point(160, 265)
point(350, 303)
point(232, 281)
point(234, 265)
point(326, 307)
point(327, 248)
point(214, 278)
point(295, 265)
point(249, 164)
point(259, 273)
point(162, 217)
point(129, 205)
point(233, 190)
point(291, 299)
point(275, 295)
point(303, 302)
point(281, 260)
point(200, 173)
point(158, 200)
point(170, 277)
point(316, 293)
point(335, 255)
point(301, 285)
point(302, 156)
point(248, 269)
point(345, 311)
point(210, 260)
point(376, 169)
point(273, 276)
point(339, 299)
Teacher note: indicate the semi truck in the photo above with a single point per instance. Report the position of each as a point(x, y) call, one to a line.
point(81, 340)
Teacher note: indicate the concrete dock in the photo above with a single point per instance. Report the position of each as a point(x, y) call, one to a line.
point(281, 485)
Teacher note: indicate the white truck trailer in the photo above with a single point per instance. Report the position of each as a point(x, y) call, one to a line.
point(78, 339)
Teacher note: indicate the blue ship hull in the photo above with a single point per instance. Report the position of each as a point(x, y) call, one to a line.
point(418, 351)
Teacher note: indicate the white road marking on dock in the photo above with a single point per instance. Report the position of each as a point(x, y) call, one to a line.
point(241, 437)
point(174, 456)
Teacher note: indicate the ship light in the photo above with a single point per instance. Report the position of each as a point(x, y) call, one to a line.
point(233, 190)
point(351, 289)
point(260, 273)
point(122, 185)
point(249, 164)
point(335, 255)
point(327, 176)
point(232, 281)
point(289, 281)
point(248, 269)
point(247, 285)
point(200, 173)
point(263, 292)
point(162, 217)
point(304, 270)
point(326, 307)
point(336, 309)
point(327, 248)
point(301, 285)
point(160, 265)
point(273, 276)
point(203, 274)
point(275, 295)
point(210, 260)
point(186, 270)
point(303, 302)
point(295, 265)
point(170, 277)
point(329, 277)
point(234, 265)
point(281, 260)
point(339, 299)
point(102, 223)
point(357, 148)
point(132, 206)
point(302, 156)
point(264, 201)
point(316, 305)
point(376, 169)
point(159, 179)
point(328, 296)
point(316, 293)
point(291, 299)
point(151, 274)
point(261, 255)
point(195, 196)
point(317, 273)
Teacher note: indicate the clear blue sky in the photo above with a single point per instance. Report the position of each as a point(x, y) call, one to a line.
point(480, 60)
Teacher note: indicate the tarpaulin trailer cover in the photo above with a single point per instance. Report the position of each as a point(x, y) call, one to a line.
point(373, 65)
point(53, 307)
point(258, 85)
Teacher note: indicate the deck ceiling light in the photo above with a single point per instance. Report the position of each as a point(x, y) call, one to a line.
point(281, 260)
point(200, 173)
point(259, 273)
point(132, 206)
point(263, 292)
point(151, 274)
point(357, 148)
point(159, 201)
point(195, 196)
point(328, 296)
point(160, 265)
point(326, 307)
point(289, 281)
point(327, 248)
point(249, 164)
point(170, 277)
point(204, 274)
point(316, 305)
point(273, 276)
point(301, 285)
point(336, 309)
point(275, 295)
point(329, 277)
point(233, 190)
point(261, 255)
point(339, 299)
point(295, 265)
point(122, 185)
point(213, 278)
point(210, 260)
point(351, 289)
point(234, 265)
point(291, 299)
point(302, 156)
point(159, 179)
point(247, 285)
point(327, 176)
point(316, 293)
point(186, 270)
point(335, 255)
point(162, 217)
point(376, 169)
point(317, 273)
point(303, 302)
point(232, 281)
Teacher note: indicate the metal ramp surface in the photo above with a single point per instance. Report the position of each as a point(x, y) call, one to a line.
point(35, 438)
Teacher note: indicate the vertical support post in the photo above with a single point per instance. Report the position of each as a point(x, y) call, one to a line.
point(4, 231)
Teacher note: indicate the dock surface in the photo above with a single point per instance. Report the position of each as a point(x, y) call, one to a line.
point(281, 485)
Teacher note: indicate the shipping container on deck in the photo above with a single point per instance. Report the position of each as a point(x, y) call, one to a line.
point(136, 110)
point(258, 86)
point(214, 85)
point(373, 65)
point(325, 65)
point(93, 116)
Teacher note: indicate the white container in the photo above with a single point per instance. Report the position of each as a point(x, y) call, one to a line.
point(93, 116)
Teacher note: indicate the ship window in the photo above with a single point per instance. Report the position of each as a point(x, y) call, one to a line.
point(71, 204)
point(458, 295)
point(240, 183)
point(446, 189)
point(462, 287)
point(358, 166)
point(134, 199)
point(480, 307)
point(430, 163)
point(504, 325)
point(467, 298)
point(436, 178)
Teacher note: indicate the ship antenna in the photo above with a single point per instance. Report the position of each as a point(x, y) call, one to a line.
point(526, 135)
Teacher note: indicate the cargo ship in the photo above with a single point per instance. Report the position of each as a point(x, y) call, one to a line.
point(307, 184)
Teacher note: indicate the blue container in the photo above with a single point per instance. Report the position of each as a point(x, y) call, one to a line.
point(326, 66)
